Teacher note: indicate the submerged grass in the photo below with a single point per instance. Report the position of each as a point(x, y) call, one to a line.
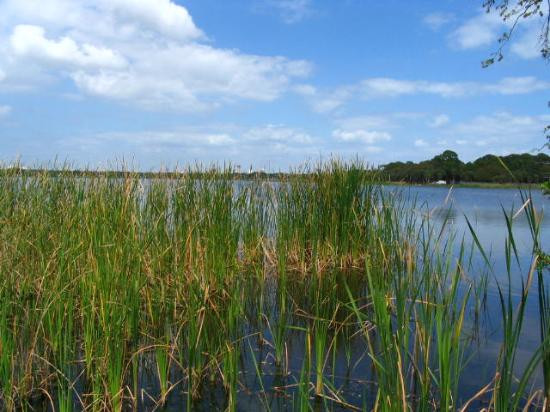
point(119, 293)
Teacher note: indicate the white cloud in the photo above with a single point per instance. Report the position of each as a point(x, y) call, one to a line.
point(420, 143)
point(105, 17)
point(218, 139)
point(439, 120)
point(166, 139)
point(437, 20)
point(164, 16)
point(223, 137)
point(473, 137)
point(291, 11)
point(361, 136)
point(325, 101)
point(518, 85)
point(144, 52)
point(194, 77)
point(508, 85)
point(4, 111)
point(305, 89)
point(262, 146)
point(389, 87)
point(485, 29)
point(373, 149)
point(497, 133)
point(502, 126)
point(386, 87)
point(481, 30)
point(331, 102)
point(28, 41)
point(277, 133)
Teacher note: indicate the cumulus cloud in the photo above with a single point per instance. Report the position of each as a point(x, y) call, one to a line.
point(386, 87)
point(144, 52)
point(164, 16)
point(170, 139)
point(485, 29)
point(495, 133)
point(194, 77)
point(481, 30)
point(277, 133)
point(261, 145)
point(473, 137)
point(361, 136)
point(325, 101)
point(502, 126)
point(231, 137)
point(28, 41)
point(331, 101)
point(155, 140)
point(518, 85)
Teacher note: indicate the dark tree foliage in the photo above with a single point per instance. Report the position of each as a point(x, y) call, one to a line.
point(449, 166)
point(525, 168)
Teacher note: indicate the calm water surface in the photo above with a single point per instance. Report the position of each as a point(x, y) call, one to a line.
point(484, 210)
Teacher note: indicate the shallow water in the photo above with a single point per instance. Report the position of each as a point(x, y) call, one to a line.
point(484, 209)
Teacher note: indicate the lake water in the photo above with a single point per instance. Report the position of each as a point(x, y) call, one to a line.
point(483, 207)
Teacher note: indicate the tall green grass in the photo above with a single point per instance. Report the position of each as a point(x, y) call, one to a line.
point(121, 292)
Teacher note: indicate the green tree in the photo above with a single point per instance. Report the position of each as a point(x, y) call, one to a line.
point(449, 166)
point(524, 168)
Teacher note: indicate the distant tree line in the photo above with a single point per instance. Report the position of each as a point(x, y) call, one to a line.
point(447, 166)
point(524, 168)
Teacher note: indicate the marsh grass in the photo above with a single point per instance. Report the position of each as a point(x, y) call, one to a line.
point(107, 281)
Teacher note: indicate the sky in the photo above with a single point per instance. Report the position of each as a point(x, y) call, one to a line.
point(271, 84)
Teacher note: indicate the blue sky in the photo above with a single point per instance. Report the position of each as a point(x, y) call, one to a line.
point(268, 83)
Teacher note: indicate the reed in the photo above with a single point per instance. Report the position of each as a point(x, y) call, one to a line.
point(117, 292)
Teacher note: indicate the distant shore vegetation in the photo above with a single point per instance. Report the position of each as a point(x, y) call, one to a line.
point(448, 168)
